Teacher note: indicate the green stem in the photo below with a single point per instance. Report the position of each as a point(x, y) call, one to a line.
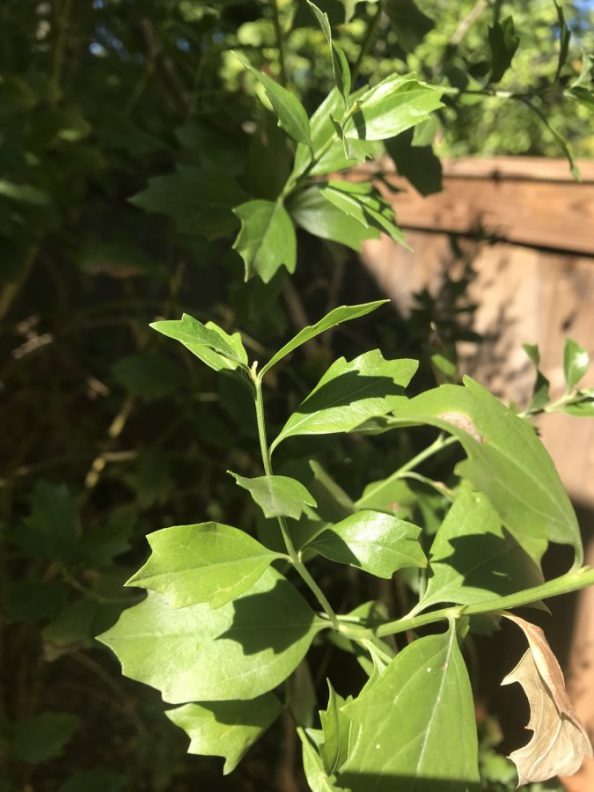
point(571, 581)
point(280, 42)
point(294, 555)
point(440, 443)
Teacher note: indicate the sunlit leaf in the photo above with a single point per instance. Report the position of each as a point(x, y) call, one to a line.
point(349, 393)
point(208, 562)
point(238, 651)
point(575, 362)
point(226, 728)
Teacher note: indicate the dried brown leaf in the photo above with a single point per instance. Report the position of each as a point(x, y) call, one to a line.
point(559, 744)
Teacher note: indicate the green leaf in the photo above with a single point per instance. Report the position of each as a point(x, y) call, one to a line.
point(503, 41)
point(581, 408)
point(53, 527)
point(313, 766)
point(208, 562)
point(149, 375)
point(277, 496)
point(329, 155)
point(44, 736)
point(540, 391)
point(389, 495)
point(424, 700)
point(583, 96)
point(199, 200)
point(340, 65)
point(335, 727)
point(373, 541)
point(564, 39)
point(209, 342)
point(333, 503)
point(416, 163)
point(311, 210)
point(575, 363)
point(343, 313)
point(266, 240)
point(349, 393)
point(99, 546)
point(393, 105)
point(226, 728)
point(473, 559)
point(506, 461)
point(361, 202)
point(239, 651)
point(409, 22)
point(289, 110)
point(31, 601)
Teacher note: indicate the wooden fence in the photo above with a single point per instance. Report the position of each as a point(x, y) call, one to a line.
point(529, 229)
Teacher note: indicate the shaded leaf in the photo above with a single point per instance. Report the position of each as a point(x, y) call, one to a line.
point(424, 697)
point(335, 728)
point(503, 41)
point(53, 527)
point(277, 496)
point(583, 96)
point(349, 393)
point(226, 728)
point(541, 389)
point(409, 22)
point(559, 744)
point(209, 342)
point(44, 736)
point(473, 559)
point(149, 375)
point(373, 541)
point(266, 240)
point(238, 651)
point(364, 204)
point(333, 503)
point(311, 210)
point(416, 163)
point(313, 766)
point(506, 461)
point(340, 65)
point(575, 362)
point(287, 107)
point(208, 562)
point(564, 39)
point(199, 200)
point(343, 313)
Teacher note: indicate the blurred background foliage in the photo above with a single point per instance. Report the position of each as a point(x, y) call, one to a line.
point(107, 434)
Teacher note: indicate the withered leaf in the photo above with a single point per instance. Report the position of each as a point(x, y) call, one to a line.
point(559, 744)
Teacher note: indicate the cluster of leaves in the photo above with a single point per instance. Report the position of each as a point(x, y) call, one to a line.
point(96, 100)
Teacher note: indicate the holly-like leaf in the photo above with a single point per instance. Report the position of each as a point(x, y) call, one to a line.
point(474, 559)
point(414, 725)
point(559, 744)
point(410, 24)
point(287, 107)
point(373, 541)
point(575, 362)
point(277, 496)
point(226, 728)
point(344, 313)
point(506, 460)
point(208, 562)
point(53, 527)
point(393, 105)
point(361, 202)
point(266, 240)
point(503, 41)
point(340, 65)
point(209, 342)
point(311, 210)
point(349, 393)
point(238, 651)
point(199, 200)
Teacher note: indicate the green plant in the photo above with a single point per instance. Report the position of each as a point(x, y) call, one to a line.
point(223, 629)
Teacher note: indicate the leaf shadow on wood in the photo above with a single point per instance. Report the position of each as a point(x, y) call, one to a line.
point(349, 388)
point(269, 620)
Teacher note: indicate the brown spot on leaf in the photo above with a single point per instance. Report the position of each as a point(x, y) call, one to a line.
point(462, 421)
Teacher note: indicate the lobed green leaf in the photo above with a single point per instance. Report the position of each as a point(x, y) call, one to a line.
point(277, 496)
